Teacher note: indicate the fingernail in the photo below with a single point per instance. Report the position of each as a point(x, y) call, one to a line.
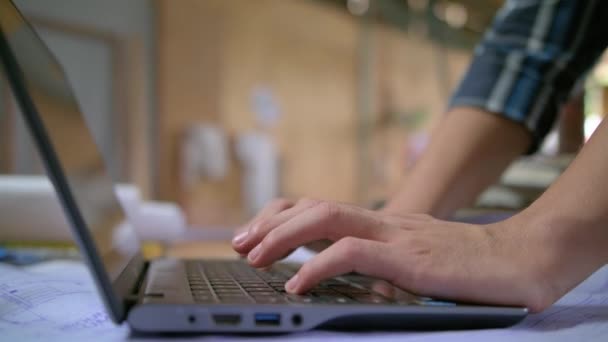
point(291, 285)
point(239, 239)
point(255, 252)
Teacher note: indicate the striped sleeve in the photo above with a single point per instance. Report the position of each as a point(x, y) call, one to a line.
point(528, 61)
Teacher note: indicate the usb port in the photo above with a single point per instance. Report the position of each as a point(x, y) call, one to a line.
point(226, 319)
point(267, 319)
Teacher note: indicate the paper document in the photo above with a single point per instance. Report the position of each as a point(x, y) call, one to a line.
point(57, 301)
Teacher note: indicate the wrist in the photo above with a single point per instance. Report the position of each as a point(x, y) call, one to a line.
point(552, 249)
point(524, 252)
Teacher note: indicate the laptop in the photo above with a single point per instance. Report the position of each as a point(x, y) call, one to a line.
point(177, 296)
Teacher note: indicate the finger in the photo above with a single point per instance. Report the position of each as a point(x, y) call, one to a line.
point(274, 207)
point(326, 220)
point(347, 255)
point(258, 230)
point(384, 288)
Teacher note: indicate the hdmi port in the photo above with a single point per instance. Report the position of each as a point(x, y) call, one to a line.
point(226, 319)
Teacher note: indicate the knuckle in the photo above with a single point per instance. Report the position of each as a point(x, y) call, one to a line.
point(308, 202)
point(270, 240)
point(423, 217)
point(262, 227)
point(329, 210)
point(280, 203)
point(428, 218)
point(350, 248)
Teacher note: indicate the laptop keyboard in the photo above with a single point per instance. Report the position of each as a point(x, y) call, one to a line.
point(232, 282)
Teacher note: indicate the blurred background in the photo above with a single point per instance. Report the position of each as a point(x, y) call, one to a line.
point(220, 106)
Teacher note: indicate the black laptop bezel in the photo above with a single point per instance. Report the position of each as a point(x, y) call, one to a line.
point(115, 294)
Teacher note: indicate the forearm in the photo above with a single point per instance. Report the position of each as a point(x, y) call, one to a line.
point(468, 152)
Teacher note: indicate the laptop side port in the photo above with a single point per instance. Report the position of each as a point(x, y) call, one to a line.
point(267, 319)
point(226, 319)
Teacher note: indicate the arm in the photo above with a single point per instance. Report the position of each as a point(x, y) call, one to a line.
point(531, 259)
point(468, 152)
point(520, 75)
point(572, 215)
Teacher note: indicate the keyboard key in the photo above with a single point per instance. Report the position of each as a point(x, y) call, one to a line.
point(204, 299)
point(222, 297)
point(269, 300)
point(256, 286)
point(261, 289)
point(202, 292)
point(322, 292)
point(332, 282)
point(369, 299)
point(243, 300)
point(348, 289)
point(299, 299)
point(236, 282)
point(335, 299)
point(223, 292)
point(262, 294)
point(198, 287)
point(226, 287)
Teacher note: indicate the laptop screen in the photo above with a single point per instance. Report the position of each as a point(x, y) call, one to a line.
point(71, 139)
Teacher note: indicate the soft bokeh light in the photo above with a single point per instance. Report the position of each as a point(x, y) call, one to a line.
point(357, 7)
point(418, 5)
point(456, 15)
point(591, 123)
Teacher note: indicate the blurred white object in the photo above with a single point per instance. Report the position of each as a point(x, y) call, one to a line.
point(30, 211)
point(204, 154)
point(160, 221)
point(536, 171)
point(259, 155)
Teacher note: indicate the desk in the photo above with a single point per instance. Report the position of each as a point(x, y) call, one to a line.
point(63, 304)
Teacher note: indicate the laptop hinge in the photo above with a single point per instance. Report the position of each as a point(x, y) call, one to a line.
point(137, 290)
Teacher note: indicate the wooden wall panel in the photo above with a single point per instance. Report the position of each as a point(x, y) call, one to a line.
point(188, 77)
point(308, 62)
point(213, 55)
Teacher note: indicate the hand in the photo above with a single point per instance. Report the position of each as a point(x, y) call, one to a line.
point(495, 264)
point(271, 209)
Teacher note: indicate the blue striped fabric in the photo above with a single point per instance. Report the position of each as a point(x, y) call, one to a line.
point(531, 57)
